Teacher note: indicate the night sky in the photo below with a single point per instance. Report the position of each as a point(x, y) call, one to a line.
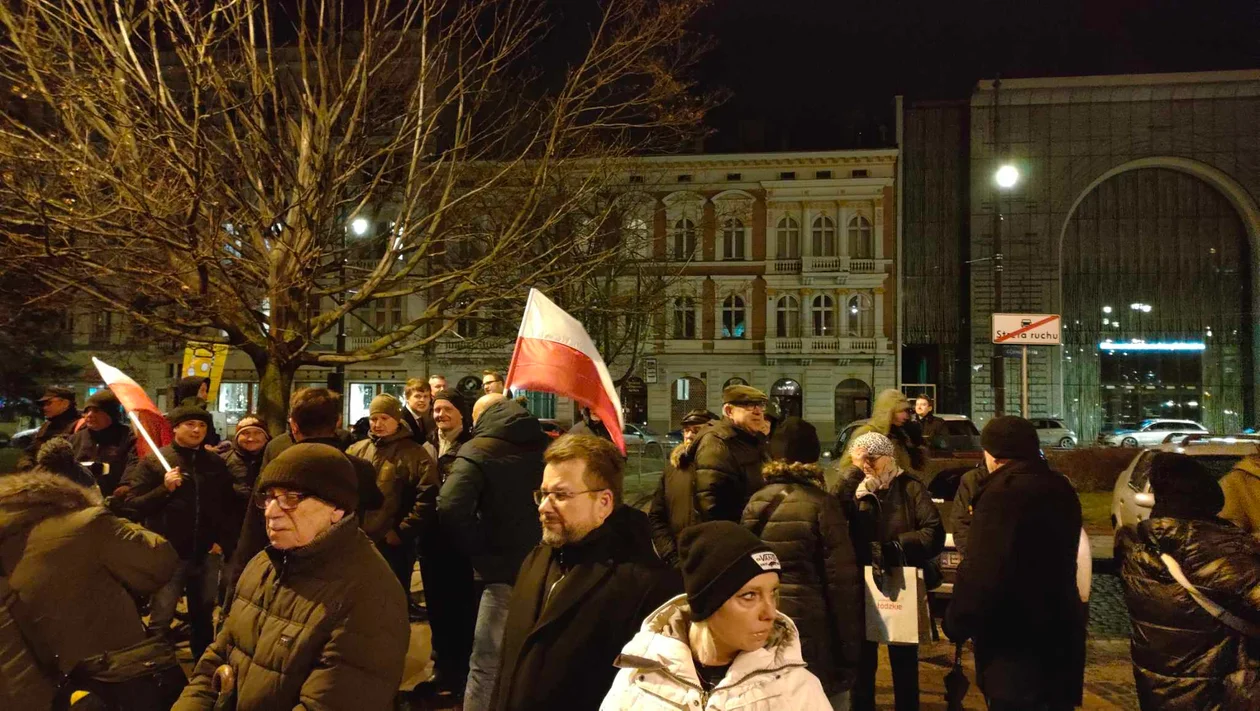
point(815, 74)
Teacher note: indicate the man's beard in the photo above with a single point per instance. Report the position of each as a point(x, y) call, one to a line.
point(566, 534)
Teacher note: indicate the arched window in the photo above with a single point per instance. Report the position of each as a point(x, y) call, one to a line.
point(733, 317)
point(638, 238)
point(787, 317)
point(861, 239)
point(824, 237)
point(788, 239)
point(823, 311)
point(684, 239)
point(733, 238)
point(684, 318)
point(859, 317)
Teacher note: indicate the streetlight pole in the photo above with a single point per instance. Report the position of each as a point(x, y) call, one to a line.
point(999, 359)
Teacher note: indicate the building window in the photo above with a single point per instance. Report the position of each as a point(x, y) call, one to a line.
point(733, 232)
point(823, 311)
point(733, 317)
point(684, 318)
point(102, 327)
point(788, 239)
point(861, 240)
point(787, 317)
point(859, 317)
point(824, 237)
point(684, 239)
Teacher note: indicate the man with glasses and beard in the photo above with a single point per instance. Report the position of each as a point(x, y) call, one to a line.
point(580, 595)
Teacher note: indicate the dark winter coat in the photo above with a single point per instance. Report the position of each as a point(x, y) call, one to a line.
point(820, 586)
point(197, 514)
point(60, 426)
point(423, 428)
point(1016, 595)
point(672, 508)
point(903, 514)
point(559, 645)
point(931, 427)
point(1183, 659)
point(593, 428)
point(75, 567)
point(724, 463)
point(245, 468)
point(323, 626)
point(114, 446)
point(486, 506)
point(966, 498)
point(403, 470)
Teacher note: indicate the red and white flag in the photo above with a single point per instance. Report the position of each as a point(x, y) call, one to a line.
point(554, 354)
point(155, 429)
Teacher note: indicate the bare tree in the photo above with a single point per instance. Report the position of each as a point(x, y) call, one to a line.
point(256, 172)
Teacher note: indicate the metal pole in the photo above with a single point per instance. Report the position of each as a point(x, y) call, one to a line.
point(1023, 384)
point(999, 361)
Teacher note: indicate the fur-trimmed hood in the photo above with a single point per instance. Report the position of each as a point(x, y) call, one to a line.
point(778, 471)
point(31, 497)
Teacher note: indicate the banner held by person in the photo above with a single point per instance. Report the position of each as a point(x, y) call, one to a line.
point(144, 413)
point(554, 354)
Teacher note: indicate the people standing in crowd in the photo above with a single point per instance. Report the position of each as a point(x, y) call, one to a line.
point(724, 644)
point(583, 592)
point(449, 586)
point(677, 482)
point(192, 506)
point(437, 383)
point(1192, 650)
point(590, 424)
point(966, 498)
point(1241, 487)
point(930, 426)
point(891, 413)
point(486, 508)
point(403, 468)
point(1016, 592)
point(74, 567)
point(820, 582)
point(194, 391)
point(313, 417)
point(57, 457)
point(105, 441)
point(244, 460)
point(719, 470)
point(60, 416)
point(417, 411)
point(318, 620)
point(895, 524)
point(492, 382)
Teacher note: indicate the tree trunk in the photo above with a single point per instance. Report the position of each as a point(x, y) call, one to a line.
point(275, 384)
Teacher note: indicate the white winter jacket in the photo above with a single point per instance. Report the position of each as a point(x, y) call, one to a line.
point(658, 674)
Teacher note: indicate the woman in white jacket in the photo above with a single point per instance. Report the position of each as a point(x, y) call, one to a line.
point(723, 645)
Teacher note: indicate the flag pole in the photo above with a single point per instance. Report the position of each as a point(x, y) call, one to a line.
point(145, 433)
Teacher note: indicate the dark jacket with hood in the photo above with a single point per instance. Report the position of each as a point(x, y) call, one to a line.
point(60, 426)
point(902, 514)
point(75, 567)
point(323, 626)
point(197, 514)
point(881, 421)
point(1184, 659)
point(487, 505)
point(573, 609)
point(114, 446)
point(1016, 595)
point(672, 508)
point(820, 585)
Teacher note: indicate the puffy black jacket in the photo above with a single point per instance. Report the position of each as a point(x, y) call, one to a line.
point(673, 508)
point(903, 513)
point(724, 463)
point(486, 504)
point(821, 583)
point(1183, 658)
point(197, 514)
point(113, 448)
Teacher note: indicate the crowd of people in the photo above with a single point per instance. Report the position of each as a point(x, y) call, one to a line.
point(746, 583)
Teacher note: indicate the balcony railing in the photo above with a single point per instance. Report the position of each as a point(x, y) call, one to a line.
point(863, 266)
point(786, 266)
point(836, 264)
point(826, 264)
point(822, 345)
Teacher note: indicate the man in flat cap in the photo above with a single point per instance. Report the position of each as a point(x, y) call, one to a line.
point(60, 415)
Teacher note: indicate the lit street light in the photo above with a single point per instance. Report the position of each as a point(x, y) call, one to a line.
point(359, 226)
point(1006, 176)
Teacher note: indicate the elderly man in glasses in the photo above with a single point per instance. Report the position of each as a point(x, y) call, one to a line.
point(318, 620)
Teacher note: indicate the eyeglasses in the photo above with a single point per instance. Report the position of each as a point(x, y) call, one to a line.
point(560, 497)
point(287, 501)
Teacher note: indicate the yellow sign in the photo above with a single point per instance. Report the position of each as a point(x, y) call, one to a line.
point(206, 360)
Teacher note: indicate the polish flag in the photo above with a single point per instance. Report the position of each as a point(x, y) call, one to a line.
point(554, 354)
point(153, 426)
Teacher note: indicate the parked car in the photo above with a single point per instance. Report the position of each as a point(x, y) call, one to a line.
point(552, 428)
point(1149, 433)
point(1053, 433)
point(1132, 499)
point(641, 439)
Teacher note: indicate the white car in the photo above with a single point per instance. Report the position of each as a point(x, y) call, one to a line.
point(1053, 433)
point(1132, 499)
point(1151, 432)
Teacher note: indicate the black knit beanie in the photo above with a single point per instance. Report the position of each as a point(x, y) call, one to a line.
point(316, 469)
point(795, 440)
point(1010, 437)
point(451, 396)
point(718, 558)
point(107, 402)
point(1184, 488)
point(184, 413)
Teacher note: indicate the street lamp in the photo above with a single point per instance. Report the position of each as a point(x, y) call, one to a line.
point(359, 226)
point(1006, 176)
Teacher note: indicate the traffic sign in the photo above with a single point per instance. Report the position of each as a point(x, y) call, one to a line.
point(1026, 329)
